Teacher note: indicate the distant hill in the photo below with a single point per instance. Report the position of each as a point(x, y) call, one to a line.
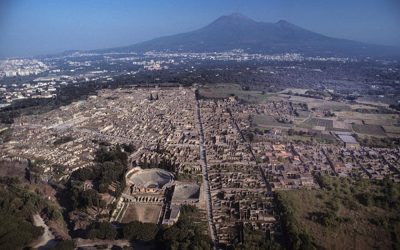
point(240, 32)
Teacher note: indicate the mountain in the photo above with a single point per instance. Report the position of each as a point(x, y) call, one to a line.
point(240, 32)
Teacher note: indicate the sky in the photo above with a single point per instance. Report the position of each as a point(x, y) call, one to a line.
point(38, 27)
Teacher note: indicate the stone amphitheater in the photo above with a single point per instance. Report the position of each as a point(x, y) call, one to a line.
point(153, 179)
point(151, 194)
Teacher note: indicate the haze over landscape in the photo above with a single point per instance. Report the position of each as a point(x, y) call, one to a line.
point(43, 27)
point(200, 124)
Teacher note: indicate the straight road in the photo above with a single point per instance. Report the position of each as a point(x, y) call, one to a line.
point(204, 167)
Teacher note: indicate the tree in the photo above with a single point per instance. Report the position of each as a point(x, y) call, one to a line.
point(15, 232)
point(64, 245)
point(140, 231)
point(102, 230)
point(185, 234)
point(364, 199)
point(89, 198)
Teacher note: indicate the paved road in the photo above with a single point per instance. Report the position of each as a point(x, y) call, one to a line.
point(204, 167)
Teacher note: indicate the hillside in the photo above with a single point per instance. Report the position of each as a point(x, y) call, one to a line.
point(240, 32)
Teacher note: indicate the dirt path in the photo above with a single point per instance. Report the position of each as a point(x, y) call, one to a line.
point(47, 235)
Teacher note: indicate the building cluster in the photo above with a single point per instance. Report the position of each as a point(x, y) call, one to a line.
point(21, 67)
point(364, 162)
point(239, 191)
point(40, 87)
point(291, 164)
point(162, 130)
point(177, 138)
point(8, 94)
point(239, 56)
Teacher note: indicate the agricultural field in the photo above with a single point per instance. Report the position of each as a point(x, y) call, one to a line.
point(221, 91)
point(318, 103)
point(318, 118)
point(315, 137)
point(320, 124)
point(392, 130)
point(363, 119)
point(369, 129)
point(266, 122)
point(375, 119)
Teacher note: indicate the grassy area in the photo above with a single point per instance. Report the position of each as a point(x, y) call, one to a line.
point(342, 215)
point(369, 129)
point(267, 121)
point(392, 129)
point(145, 213)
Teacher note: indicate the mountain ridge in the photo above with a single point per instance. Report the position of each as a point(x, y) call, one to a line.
point(237, 31)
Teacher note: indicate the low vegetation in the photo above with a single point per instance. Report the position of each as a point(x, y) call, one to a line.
point(360, 214)
point(378, 142)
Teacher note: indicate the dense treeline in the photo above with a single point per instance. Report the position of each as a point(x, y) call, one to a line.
point(17, 206)
point(16, 232)
point(136, 230)
point(102, 230)
point(110, 167)
point(185, 234)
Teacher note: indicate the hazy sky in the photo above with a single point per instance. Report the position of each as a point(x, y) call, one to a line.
point(34, 27)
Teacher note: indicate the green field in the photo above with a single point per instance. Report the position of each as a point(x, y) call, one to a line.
point(352, 215)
